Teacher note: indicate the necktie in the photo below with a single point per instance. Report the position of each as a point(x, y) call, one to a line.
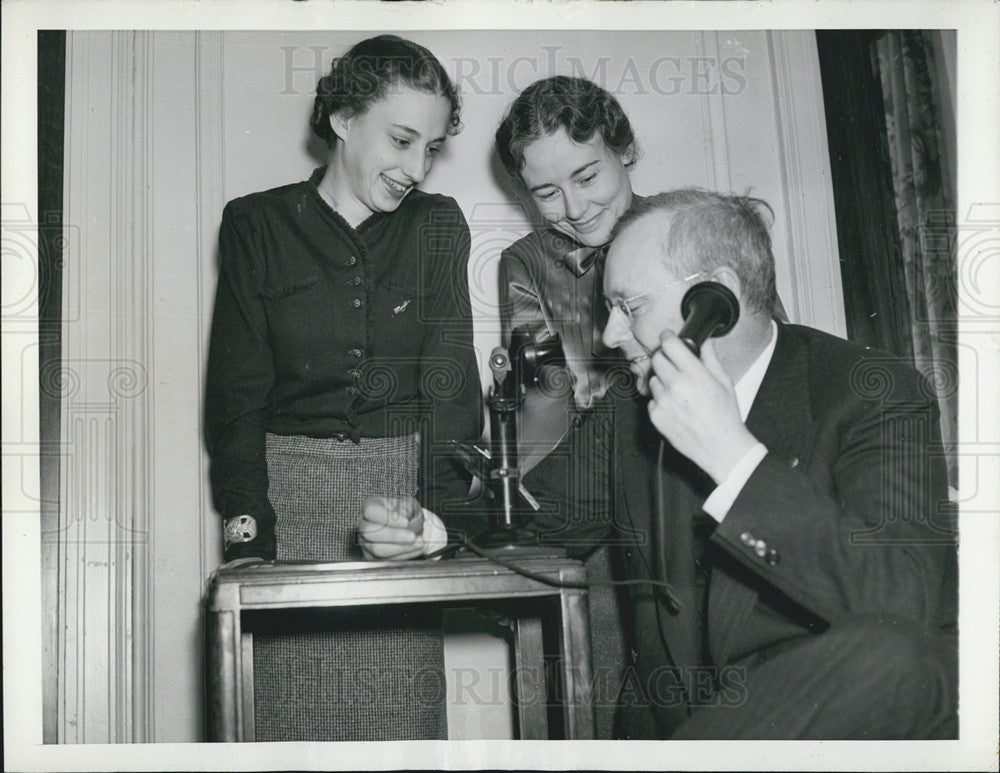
point(600, 309)
point(590, 315)
point(581, 259)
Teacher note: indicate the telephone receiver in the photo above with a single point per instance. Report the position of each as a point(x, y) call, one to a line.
point(710, 310)
point(528, 356)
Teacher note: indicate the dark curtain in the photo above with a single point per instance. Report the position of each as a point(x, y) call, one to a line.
point(890, 118)
point(914, 68)
point(875, 303)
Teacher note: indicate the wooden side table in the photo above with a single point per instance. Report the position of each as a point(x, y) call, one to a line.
point(454, 582)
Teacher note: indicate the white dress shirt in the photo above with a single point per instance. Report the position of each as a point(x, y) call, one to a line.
point(721, 499)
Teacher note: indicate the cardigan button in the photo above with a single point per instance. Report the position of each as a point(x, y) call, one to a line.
point(356, 353)
point(356, 303)
point(351, 260)
point(355, 281)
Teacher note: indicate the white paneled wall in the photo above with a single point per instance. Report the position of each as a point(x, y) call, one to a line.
point(164, 127)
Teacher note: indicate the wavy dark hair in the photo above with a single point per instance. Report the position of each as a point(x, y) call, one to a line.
point(578, 105)
point(365, 74)
point(707, 230)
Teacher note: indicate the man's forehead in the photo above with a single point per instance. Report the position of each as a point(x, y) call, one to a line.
point(638, 253)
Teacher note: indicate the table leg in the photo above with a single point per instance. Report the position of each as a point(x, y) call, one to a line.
point(529, 671)
point(247, 720)
point(224, 676)
point(578, 707)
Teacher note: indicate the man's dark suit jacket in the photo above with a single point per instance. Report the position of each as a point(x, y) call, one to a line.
point(846, 516)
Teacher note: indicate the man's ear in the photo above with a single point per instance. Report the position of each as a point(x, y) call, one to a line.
point(727, 276)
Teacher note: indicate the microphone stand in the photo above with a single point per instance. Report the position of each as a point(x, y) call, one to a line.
point(511, 509)
point(512, 506)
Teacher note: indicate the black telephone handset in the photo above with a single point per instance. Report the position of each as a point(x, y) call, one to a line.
point(710, 310)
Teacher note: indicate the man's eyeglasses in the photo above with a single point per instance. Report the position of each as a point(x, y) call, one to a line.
point(631, 307)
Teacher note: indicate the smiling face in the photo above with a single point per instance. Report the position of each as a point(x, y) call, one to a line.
point(386, 151)
point(580, 188)
point(636, 274)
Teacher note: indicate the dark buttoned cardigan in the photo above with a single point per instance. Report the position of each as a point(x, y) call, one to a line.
point(329, 331)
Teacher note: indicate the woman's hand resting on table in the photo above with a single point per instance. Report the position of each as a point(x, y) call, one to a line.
point(398, 528)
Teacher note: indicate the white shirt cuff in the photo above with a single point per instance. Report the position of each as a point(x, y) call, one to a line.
point(719, 501)
point(435, 534)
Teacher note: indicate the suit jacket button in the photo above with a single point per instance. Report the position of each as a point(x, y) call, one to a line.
point(794, 463)
point(748, 539)
point(760, 548)
point(771, 557)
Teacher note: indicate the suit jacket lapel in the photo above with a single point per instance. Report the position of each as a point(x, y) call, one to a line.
point(781, 419)
point(780, 415)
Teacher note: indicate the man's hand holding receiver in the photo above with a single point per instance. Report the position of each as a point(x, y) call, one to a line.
point(694, 407)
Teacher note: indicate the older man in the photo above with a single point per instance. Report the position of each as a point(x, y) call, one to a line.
point(809, 549)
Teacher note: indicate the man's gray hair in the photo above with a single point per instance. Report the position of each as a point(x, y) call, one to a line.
point(708, 230)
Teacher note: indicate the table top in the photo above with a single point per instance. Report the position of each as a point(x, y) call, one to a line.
point(274, 585)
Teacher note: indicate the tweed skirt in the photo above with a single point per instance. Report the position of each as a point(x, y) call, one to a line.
point(364, 674)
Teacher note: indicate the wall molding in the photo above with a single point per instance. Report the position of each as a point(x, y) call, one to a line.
point(811, 230)
point(211, 198)
point(718, 165)
point(106, 383)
